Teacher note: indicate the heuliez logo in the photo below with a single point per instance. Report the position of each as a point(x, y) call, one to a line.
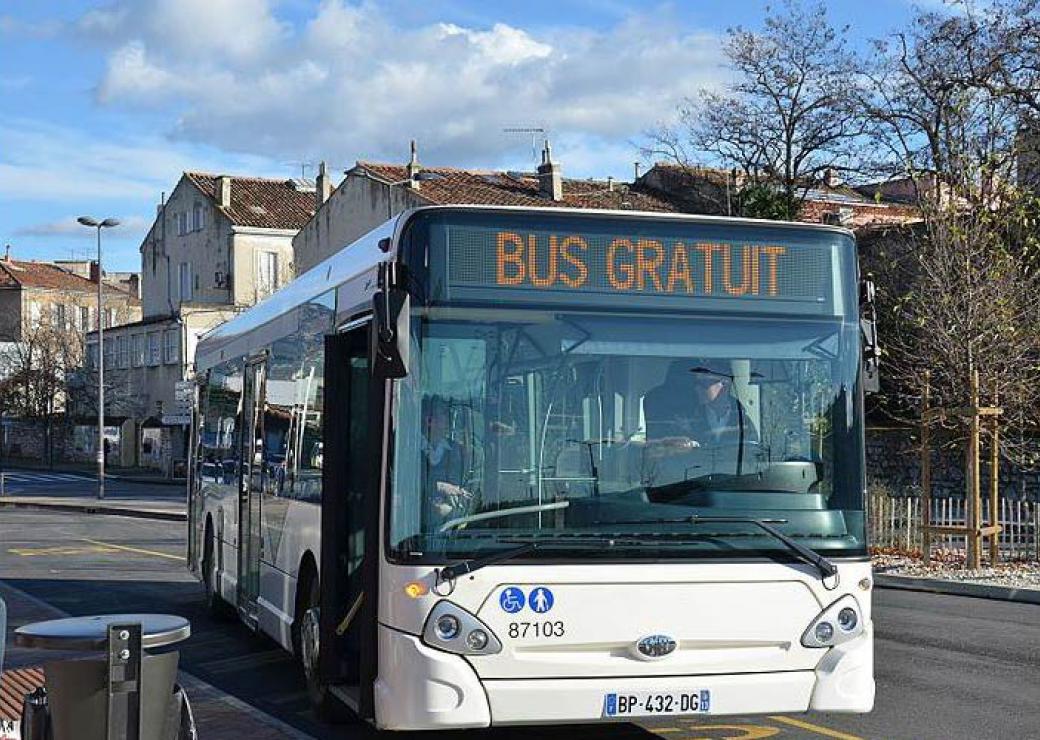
point(9, 729)
point(656, 646)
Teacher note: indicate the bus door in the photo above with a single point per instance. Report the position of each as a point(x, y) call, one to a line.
point(352, 454)
point(251, 488)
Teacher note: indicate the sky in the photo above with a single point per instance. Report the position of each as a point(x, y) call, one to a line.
point(104, 104)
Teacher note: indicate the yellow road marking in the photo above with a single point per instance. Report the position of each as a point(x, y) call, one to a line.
point(748, 732)
point(138, 550)
point(660, 730)
point(825, 731)
point(33, 551)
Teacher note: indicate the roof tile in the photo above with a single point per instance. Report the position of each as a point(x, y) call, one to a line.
point(260, 202)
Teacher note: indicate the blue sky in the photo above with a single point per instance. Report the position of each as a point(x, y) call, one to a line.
point(105, 103)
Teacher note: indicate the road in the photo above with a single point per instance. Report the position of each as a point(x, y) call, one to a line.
point(947, 667)
point(79, 485)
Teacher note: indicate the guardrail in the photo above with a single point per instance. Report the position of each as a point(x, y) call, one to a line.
point(895, 522)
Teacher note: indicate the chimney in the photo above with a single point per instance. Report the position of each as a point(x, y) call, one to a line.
point(94, 271)
point(550, 175)
point(323, 186)
point(637, 171)
point(830, 178)
point(134, 285)
point(7, 253)
point(610, 183)
point(414, 168)
point(224, 191)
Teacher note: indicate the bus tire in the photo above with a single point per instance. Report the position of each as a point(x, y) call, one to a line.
point(216, 607)
point(306, 634)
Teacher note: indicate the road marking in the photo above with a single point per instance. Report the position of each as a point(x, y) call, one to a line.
point(665, 730)
point(138, 550)
point(825, 731)
point(60, 550)
point(748, 732)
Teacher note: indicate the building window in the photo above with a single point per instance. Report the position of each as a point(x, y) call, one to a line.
point(137, 349)
point(110, 353)
point(92, 355)
point(266, 273)
point(171, 344)
point(34, 314)
point(182, 223)
point(153, 348)
point(185, 282)
point(84, 318)
point(198, 218)
point(123, 349)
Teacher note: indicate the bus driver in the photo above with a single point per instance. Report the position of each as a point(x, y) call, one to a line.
point(694, 407)
point(442, 463)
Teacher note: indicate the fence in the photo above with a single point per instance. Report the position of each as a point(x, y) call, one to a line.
point(895, 522)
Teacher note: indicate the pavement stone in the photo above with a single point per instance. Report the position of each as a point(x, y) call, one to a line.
point(218, 715)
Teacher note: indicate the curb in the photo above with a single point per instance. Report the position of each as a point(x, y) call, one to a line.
point(168, 516)
point(959, 588)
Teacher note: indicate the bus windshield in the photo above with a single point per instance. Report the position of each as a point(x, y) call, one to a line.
point(599, 435)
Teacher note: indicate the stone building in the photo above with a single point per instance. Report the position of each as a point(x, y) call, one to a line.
point(42, 305)
point(218, 245)
point(371, 193)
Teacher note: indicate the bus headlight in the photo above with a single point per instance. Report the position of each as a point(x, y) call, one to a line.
point(453, 629)
point(447, 627)
point(838, 623)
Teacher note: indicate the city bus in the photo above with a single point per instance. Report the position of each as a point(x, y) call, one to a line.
point(494, 466)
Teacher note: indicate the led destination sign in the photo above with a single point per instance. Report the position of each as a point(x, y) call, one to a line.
point(569, 266)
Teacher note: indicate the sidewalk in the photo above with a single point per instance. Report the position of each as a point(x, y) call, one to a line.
point(130, 475)
point(141, 508)
point(217, 714)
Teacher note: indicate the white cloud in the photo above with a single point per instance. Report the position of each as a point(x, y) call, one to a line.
point(129, 226)
point(350, 83)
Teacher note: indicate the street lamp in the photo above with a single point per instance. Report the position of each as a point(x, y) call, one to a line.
point(99, 225)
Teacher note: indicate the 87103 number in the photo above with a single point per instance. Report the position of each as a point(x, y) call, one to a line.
point(520, 630)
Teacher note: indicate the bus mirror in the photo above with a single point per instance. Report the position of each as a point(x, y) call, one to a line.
point(868, 332)
point(391, 311)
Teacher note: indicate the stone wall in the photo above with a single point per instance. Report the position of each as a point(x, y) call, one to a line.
point(894, 463)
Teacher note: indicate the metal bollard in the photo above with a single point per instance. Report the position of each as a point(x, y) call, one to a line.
point(36, 716)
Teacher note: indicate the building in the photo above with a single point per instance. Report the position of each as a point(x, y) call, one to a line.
point(45, 313)
point(128, 281)
point(218, 245)
point(713, 191)
point(371, 193)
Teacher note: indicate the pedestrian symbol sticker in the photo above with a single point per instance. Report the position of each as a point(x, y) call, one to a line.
point(511, 600)
point(541, 600)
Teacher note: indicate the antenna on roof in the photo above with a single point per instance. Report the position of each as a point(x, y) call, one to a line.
point(302, 165)
point(534, 131)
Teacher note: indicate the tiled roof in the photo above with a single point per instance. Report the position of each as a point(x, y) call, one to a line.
point(260, 202)
point(450, 186)
point(47, 276)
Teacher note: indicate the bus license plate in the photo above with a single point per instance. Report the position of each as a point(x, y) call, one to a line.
point(643, 703)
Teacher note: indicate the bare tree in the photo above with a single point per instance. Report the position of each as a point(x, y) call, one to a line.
point(784, 120)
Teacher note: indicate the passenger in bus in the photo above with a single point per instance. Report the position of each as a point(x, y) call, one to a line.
point(695, 407)
point(443, 463)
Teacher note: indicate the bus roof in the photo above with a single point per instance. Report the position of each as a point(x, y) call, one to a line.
point(364, 254)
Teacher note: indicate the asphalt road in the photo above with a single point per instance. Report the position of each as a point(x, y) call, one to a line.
point(78, 485)
point(947, 667)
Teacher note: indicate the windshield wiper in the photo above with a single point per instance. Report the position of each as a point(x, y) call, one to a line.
point(806, 554)
point(499, 513)
point(451, 572)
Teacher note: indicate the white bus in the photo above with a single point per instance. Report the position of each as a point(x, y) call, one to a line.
point(502, 466)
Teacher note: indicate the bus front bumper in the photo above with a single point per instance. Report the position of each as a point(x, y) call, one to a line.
point(420, 688)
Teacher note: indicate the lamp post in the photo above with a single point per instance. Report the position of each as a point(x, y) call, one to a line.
point(99, 225)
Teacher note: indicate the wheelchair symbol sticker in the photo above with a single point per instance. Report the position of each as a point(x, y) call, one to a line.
point(512, 600)
point(541, 600)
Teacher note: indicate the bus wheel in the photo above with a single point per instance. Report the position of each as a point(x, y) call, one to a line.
point(215, 605)
point(309, 642)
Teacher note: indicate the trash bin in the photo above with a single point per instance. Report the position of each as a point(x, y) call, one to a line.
point(125, 693)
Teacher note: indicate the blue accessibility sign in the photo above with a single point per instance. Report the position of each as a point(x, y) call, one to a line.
point(541, 600)
point(511, 600)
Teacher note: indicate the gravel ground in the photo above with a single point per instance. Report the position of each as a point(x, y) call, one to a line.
point(949, 566)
